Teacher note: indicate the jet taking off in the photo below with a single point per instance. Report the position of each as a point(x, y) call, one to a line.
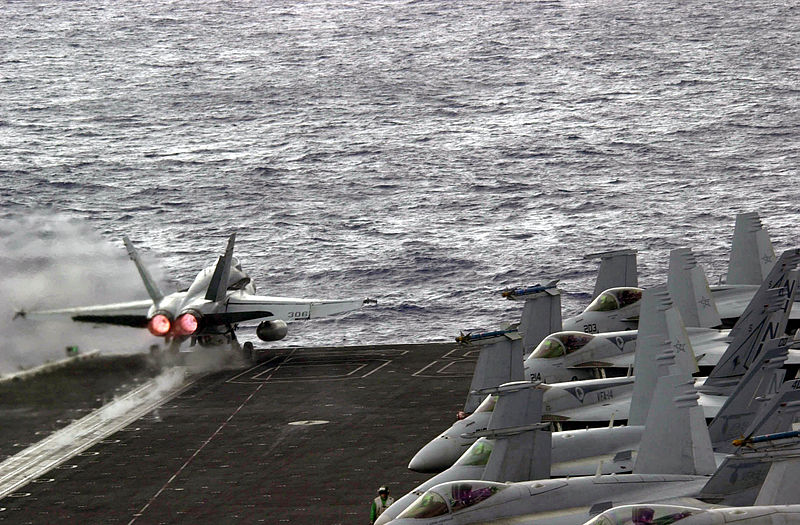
point(209, 311)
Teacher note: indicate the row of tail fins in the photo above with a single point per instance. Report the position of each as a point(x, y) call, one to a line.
point(676, 439)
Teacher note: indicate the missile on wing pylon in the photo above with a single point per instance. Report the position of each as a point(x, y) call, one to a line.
point(513, 294)
point(766, 438)
point(471, 338)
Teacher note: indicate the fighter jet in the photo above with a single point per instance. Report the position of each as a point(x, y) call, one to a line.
point(565, 356)
point(759, 481)
point(751, 260)
point(686, 515)
point(677, 470)
point(672, 466)
point(209, 311)
point(513, 436)
point(623, 398)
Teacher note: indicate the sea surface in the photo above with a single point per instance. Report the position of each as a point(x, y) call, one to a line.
point(425, 153)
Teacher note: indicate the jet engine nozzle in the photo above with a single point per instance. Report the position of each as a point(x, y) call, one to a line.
point(272, 330)
point(159, 325)
point(187, 323)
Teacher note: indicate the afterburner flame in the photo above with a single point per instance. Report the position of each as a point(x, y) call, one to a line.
point(186, 324)
point(159, 325)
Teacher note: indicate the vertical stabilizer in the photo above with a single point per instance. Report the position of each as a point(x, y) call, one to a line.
point(736, 482)
point(617, 268)
point(689, 289)
point(520, 456)
point(778, 413)
point(219, 281)
point(685, 358)
point(781, 482)
point(518, 404)
point(766, 254)
point(752, 255)
point(679, 283)
point(764, 318)
point(650, 343)
point(149, 283)
point(707, 312)
point(675, 440)
point(766, 472)
point(521, 444)
point(541, 316)
point(499, 361)
point(738, 416)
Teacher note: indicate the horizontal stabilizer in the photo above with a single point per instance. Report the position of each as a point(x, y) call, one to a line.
point(326, 308)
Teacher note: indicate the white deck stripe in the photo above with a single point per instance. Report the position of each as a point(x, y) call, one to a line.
point(78, 436)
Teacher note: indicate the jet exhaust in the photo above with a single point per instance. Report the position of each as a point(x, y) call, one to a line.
point(187, 323)
point(159, 325)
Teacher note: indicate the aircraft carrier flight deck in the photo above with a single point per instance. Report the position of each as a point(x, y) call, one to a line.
point(307, 435)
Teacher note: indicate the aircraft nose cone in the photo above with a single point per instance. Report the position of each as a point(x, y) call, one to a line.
point(437, 455)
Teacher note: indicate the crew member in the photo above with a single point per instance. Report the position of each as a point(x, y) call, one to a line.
point(380, 504)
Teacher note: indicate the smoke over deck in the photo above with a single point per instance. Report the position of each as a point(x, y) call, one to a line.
point(53, 261)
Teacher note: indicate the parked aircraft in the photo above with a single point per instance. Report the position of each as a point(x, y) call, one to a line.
point(667, 475)
point(209, 311)
point(671, 467)
point(513, 435)
point(686, 515)
point(564, 356)
point(751, 260)
point(600, 400)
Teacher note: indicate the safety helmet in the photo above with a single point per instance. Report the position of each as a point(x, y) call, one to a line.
point(383, 489)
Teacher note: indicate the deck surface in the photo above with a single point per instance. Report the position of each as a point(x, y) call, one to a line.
point(305, 436)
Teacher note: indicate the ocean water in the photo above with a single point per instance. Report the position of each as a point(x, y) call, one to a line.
point(425, 153)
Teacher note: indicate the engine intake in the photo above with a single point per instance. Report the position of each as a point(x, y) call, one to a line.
point(272, 330)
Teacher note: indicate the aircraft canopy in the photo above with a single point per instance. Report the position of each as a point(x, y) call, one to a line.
point(561, 344)
point(641, 514)
point(478, 454)
point(451, 497)
point(237, 280)
point(614, 299)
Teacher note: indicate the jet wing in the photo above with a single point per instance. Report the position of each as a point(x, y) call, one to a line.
point(133, 313)
point(243, 307)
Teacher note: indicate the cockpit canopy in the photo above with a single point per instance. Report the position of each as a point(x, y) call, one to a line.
point(614, 299)
point(560, 344)
point(478, 454)
point(237, 280)
point(451, 497)
point(643, 514)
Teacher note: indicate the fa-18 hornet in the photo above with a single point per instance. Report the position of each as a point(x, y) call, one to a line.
point(675, 457)
point(752, 257)
point(615, 398)
point(564, 356)
point(209, 311)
